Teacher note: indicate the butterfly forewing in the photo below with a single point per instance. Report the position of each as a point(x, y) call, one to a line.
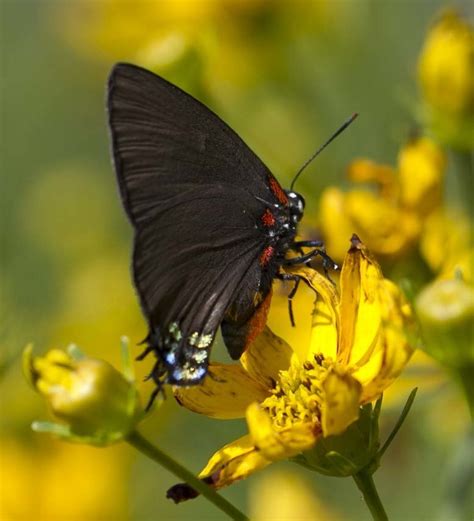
point(193, 191)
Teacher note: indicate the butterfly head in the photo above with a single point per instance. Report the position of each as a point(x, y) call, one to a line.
point(296, 204)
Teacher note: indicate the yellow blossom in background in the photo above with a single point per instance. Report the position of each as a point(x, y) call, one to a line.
point(446, 243)
point(212, 36)
point(421, 166)
point(293, 396)
point(446, 76)
point(285, 496)
point(52, 481)
point(445, 306)
point(390, 218)
point(446, 311)
point(446, 66)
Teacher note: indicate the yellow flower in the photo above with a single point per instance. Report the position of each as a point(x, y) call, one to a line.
point(389, 219)
point(291, 398)
point(45, 480)
point(446, 67)
point(209, 34)
point(446, 76)
point(97, 403)
point(445, 243)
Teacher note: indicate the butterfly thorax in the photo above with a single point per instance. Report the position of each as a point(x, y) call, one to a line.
point(279, 225)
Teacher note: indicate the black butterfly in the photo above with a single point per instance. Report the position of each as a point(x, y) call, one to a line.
point(212, 224)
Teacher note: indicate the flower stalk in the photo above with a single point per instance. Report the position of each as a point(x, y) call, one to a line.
point(464, 376)
point(365, 483)
point(151, 451)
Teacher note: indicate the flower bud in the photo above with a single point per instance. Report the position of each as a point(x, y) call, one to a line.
point(445, 310)
point(96, 402)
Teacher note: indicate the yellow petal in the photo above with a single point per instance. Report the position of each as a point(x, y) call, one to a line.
point(341, 400)
point(279, 318)
point(385, 227)
point(234, 461)
point(336, 225)
point(266, 357)
point(395, 345)
point(364, 170)
point(359, 308)
point(461, 266)
point(324, 333)
point(445, 68)
point(225, 393)
point(445, 239)
point(279, 444)
point(421, 165)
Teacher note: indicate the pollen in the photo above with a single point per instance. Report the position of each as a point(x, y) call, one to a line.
point(297, 397)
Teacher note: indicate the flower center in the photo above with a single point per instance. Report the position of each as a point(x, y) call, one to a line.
point(297, 396)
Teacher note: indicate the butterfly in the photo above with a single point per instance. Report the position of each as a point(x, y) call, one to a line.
point(212, 225)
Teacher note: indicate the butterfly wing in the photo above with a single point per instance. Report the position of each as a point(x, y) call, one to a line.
point(192, 190)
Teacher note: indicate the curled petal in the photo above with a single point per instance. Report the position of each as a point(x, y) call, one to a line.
point(225, 393)
point(266, 357)
point(359, 307)
point(396, 342)
point(234, 461)
point(325, 324)
point(279, 444)
point(341, 399)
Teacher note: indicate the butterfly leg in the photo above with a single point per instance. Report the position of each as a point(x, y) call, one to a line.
point(158, 372)
point(299, 245)
point(328, 263)
point(290, 301)
point(310, 244)
point(153, 395)
point(145, 353)
point(157, 375)
point(302, 259)
point(291, 295)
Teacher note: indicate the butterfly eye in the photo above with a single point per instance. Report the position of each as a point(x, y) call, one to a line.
point(297, 205)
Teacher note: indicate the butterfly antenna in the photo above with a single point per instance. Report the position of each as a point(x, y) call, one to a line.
point(321, 148)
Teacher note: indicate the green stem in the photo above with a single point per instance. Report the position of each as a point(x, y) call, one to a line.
point(145, 447)
point(464, 161)
point(366, 485)
point(465, 376)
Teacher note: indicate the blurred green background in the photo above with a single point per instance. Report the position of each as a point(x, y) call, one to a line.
point(284, 75)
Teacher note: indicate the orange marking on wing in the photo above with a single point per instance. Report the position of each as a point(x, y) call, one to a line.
point(277, 190)
point(258, 321)
point(266, 255)
point(268, 218)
